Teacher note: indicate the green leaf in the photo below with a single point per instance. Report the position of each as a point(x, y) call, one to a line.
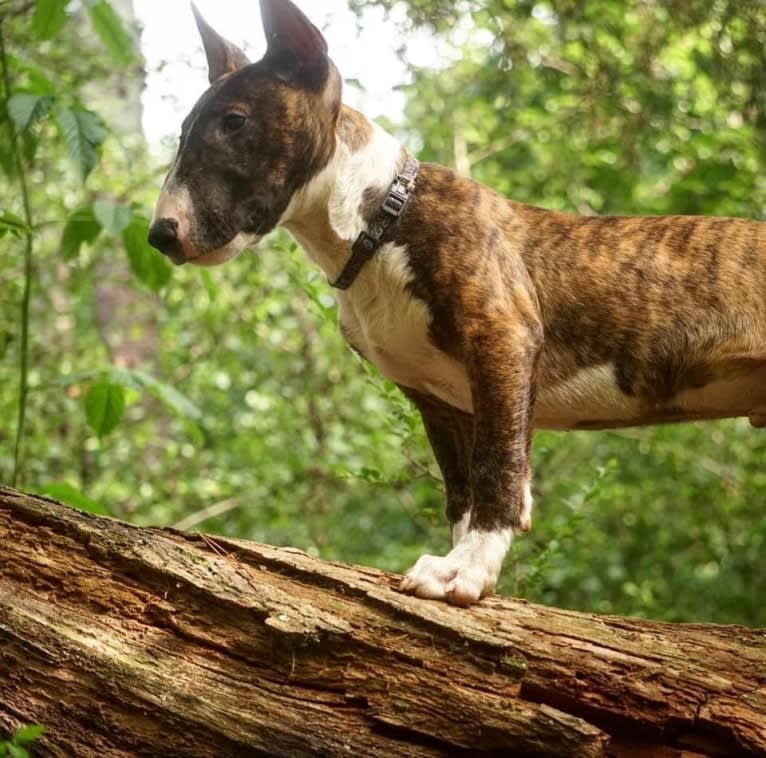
point(82, 226)
point(168, 395)
point(28, 733)
point(16, 751)
point(210, 286)
point(29, 144)
point(110, 29)
point(173, 399)
point(104, 406)
point(146, 263)
point(84, 132)
point(10, 223)
point(126, 377)
point(48, 18)
point(37, 83)
point(7, 162)
point(112, 217)
point(70, 495)
point(139, 381)
point(25, 109)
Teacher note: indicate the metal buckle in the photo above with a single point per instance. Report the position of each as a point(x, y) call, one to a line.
point(395, 200)
point(368, 242)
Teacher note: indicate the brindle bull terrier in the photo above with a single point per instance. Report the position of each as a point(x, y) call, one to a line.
point(492, 316)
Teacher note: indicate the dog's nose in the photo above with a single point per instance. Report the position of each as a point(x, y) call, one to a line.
point(163, 234)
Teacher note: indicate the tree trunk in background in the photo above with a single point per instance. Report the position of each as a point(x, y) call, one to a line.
point(128, 641)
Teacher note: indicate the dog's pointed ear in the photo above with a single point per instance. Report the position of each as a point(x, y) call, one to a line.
point(223, 56)
point(296, 50)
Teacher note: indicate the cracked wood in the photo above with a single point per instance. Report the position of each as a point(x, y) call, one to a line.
point(127, 641)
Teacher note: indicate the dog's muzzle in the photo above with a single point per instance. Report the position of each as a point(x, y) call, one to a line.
point(163, 235)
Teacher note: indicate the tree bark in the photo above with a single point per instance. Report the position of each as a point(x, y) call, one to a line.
point(126, 642)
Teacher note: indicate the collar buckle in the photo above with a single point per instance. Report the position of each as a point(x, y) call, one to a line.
point(368, 242)
point(396, 199)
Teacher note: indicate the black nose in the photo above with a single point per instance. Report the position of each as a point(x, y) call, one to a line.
point(163, 235)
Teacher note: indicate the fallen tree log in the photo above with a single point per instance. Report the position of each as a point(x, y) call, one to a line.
point(125, 641)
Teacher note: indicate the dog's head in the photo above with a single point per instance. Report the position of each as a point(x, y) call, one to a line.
point(260, 132)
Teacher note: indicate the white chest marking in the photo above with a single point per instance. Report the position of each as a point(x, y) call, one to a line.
point(380, 318)
point(390, 328)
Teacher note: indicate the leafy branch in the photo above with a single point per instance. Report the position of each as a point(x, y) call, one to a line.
point(27, 267)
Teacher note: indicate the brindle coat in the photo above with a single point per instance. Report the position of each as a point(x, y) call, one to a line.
point(494, 317)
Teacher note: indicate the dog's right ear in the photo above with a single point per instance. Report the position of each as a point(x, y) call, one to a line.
point(296, 50)
point(223, 56)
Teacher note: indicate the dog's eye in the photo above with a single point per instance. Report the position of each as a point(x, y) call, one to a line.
point(232, 122)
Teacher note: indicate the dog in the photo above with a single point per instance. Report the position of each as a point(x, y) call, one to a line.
point(494, 317)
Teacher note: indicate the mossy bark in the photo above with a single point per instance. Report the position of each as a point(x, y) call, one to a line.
point(125, 641)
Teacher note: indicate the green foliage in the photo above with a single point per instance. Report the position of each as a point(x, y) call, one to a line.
point(17, 746)
point(117, 378)
point(69, 494)
point(111, 31)
point(26, 109)
point(104, 406)
point(10, 223)
point(155, 393)
point(48, 18)
point(112, 217)
point(83, 132)
point(152, 269)
point(81, 227)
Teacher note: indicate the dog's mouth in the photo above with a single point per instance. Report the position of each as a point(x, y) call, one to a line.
point(218, 255)
point(256, 225)
point(198, 251)
point(177, 259)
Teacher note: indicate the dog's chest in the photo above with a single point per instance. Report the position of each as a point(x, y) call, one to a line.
point(390, 328)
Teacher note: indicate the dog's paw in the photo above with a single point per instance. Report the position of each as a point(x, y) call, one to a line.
point(442, 578)
point(466, 574)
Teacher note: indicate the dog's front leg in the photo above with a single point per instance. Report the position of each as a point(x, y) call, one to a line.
point(501, 359)
point(450, 432)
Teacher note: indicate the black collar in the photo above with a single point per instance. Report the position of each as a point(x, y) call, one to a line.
point(369, 242)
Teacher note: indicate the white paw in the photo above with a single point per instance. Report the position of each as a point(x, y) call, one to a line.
point(443, 578)
point(466, 574)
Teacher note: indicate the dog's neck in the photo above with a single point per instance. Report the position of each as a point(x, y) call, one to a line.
point(327, 214)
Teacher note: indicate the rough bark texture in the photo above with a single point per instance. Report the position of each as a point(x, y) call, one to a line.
point(126, 641)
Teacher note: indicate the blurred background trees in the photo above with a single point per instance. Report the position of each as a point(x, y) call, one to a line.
point(225, 399)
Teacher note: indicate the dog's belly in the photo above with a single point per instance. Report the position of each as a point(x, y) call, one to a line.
point(591, 399)
point(741, 394)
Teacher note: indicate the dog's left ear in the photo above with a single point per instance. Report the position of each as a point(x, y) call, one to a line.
point(223, 56)
point(297, 51)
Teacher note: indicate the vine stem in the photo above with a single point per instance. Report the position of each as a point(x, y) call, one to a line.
point(27, 292)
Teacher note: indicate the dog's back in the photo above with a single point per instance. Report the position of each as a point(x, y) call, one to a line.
point(675, 305)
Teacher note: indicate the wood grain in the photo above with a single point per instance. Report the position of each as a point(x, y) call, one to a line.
point(125, 641)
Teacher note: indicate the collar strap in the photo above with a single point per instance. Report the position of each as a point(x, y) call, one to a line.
point(369, 242)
